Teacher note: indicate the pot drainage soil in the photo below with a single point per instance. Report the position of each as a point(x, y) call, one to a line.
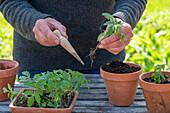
point(119, 67)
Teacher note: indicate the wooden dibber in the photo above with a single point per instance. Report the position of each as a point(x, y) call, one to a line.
point(66, 45)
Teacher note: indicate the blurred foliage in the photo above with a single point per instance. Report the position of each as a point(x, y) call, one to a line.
point(150, 45)
point(6, 37)
point(151, 42)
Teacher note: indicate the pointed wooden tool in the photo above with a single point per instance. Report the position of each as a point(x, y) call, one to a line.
point(66, 45)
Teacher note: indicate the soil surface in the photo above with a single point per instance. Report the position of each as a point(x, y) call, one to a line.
point(151, 80)
point(2, 67)
point(119, 67)
point(22, 101)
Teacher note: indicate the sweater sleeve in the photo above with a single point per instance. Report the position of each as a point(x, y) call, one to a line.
point(22, 16)
point(130, 11)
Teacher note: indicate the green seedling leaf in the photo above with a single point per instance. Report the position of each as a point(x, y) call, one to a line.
point(5, 90)
point(30, 101)
point(87, 84)
point(100, 36)
point(52, 94)
point(50, 84)
point(37, 97)
point(28, 92)
point(40, 91)
point(26, 73)
point(58, 84)
point(108, 16)
point(8, 95)
point(110, 31)
point(57, 78)
point(23, 78)
point(159, 79)
point(41, 83)
point(79, 84)
point(65, 85)
point(46, 88)
point(12, 97)
point(29, 84)
point(74, 79)
point(163, 77)
point(116, 30)
point(44, 105)
point(9, 87)
point(36, 76)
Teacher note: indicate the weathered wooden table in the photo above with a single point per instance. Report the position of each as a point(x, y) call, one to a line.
point(94, 100)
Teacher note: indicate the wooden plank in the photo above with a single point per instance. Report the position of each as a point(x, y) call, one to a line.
point(105, 104)
point(5, 109)
point(93, 91)
point(109, 110)
point(94, 104)
point(91, 85)
point(93, 97)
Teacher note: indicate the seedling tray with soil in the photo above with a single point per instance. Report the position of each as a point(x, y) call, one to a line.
point(22, 100)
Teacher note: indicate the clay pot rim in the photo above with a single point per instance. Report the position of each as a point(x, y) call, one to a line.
point(19, 107)
point(124, 74)
point(16, 64)
point(121, 76)
point(149, 83)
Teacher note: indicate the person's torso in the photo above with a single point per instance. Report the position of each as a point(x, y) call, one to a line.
point(82, 19)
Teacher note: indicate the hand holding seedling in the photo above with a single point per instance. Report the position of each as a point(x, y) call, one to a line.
point(43, 31)
point(114, 43)
point(115, 38)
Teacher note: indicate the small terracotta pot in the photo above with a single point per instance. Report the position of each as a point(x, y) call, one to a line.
point(121, 88)
point(17, 109)
point(157, 96)
point(7, 76)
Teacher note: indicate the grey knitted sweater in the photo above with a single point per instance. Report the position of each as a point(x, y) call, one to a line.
point(82, 19)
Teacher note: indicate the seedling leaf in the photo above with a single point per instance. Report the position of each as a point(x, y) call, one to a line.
point(30, 101)
point(28, 92)
point(100, 36)
point(5, 90)
point(9, 87)
point(37, 97)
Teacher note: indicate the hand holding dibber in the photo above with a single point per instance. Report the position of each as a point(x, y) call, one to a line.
point(66, 45)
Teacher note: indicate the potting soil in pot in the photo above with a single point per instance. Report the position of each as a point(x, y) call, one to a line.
point(119, 67)
point(151, 80)
point(2, 67)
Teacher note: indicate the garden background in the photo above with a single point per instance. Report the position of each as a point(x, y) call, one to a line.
point(149, 46)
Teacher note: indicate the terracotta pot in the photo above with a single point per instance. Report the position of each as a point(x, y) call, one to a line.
point(157, 96)
point(7, 76)
point(17, 109)
point(121, 88)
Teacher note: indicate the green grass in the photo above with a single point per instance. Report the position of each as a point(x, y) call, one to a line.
point(6, 37)
point(151, 42)
point(149, 46)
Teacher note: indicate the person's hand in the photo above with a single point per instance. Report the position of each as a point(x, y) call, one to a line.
point(43, 31)
point(113, 43)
